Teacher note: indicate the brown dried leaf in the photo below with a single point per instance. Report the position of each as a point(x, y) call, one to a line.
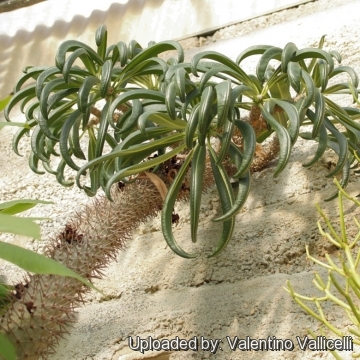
point(159, 184)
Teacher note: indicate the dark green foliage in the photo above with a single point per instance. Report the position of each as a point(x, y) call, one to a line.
point(172, 107)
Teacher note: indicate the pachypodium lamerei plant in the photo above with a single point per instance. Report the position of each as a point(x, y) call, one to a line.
point(158, 112)
point(38, 311)
point(342, 286)
point(14, 296)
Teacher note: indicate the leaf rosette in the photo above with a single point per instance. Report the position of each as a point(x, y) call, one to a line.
point(153, 110)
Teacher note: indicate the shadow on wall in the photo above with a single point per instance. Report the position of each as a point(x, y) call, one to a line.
point(37, 45)
point(10, 5)
point(31, 36)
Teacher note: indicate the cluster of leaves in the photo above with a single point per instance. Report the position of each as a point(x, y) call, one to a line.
point(172, 107)
point(342, 286)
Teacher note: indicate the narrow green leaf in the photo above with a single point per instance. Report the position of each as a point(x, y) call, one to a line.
point(122, 53)
point(25, 102)
point(322, 41)
point(17, 124)
point(48, 168)
point(278, 86)
point(293, 116)
point(17, 206)
point(310, 89)
point(294, 75)
point(168, 208)
point(70, 46)
point(45, 93)
point(266, 57)
point(59, 115)
point(243, 192)
point(284, 140)
point(223, 96)
point(192, 98)
point(208, 76)
point(70, 61)
point(323, 74)
point(7, 349)
point(161, 119)
point(136, 147)
point(340, 88)
point(134, 49)
point(31, 72)
point(321, 138)
point(336, 55)
point(180, 80)
point(17, 97)
point(350, 71)
point(249, 139)
point(235, 155)
point(226, 140)
point(60, 97)
point(84, 92)
point(37, 139)
point(196, 188)
point(288, 52)
point(60, 174)
point(191, 126)
point(47, 73)
point(170, 74)
point(353, 112)
point(309, 53)
point(75, 139)
point(238, 92)
point(226, 196)
point(151, 66)
point(319, 112)
point(33, 164)
point(170, 96)
point(340, 114)
point(95, 174)
point(216, 56)
point(136, 94)
point(155, 50)
point(31, 113)
point(343, 146)
point(101, 40)
point(64, 138)
point(105, 78)
point(205, 115)
point(4, 102)
point(252, 50)
point(18, 226)
point(103, 129)
point(135, 111)
point(345, 170)
point(354, 92)
point(100, 34)
point(37, 263)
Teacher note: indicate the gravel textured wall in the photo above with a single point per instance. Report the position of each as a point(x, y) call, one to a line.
point(239, 293)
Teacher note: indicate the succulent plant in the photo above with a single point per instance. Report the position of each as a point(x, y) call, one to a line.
point(341, 287)
point(154, 110)
point(27, 260)
point(40, 309)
